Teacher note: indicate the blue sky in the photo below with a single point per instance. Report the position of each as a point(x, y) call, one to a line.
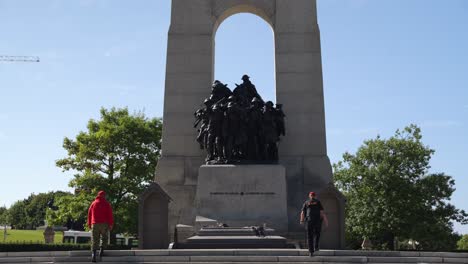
point(386, 64)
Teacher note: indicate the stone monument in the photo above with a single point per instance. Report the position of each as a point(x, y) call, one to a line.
point(153, 222)
point(49, 235)
point(299, 88)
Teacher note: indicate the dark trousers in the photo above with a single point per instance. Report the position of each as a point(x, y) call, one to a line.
point(313, 235)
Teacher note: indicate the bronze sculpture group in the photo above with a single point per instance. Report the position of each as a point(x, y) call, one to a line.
point(238, 126)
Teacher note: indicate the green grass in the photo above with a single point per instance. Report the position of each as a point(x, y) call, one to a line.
point(34, 236)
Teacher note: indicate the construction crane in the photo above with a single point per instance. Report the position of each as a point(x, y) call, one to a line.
point(19, 58)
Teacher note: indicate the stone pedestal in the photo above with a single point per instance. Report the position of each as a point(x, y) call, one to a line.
point(243, 195)
point(49, 235)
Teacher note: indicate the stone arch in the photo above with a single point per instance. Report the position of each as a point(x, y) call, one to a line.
point(232, 46)
point(225, 9)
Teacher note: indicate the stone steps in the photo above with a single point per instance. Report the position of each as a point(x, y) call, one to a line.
point(227, 242)
point(236, 256)
point(231, 231)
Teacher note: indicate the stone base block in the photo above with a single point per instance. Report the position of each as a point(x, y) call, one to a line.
point(243, 195)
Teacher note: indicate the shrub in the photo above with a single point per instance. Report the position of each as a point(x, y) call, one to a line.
point(26, 247)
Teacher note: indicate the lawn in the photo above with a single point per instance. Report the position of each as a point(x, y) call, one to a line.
point(34, 236)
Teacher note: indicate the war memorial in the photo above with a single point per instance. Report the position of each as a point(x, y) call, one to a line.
point(250, 162)
point(235, 169)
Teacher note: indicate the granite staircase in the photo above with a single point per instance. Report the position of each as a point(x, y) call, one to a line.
point(243, 256)
point(233, 237)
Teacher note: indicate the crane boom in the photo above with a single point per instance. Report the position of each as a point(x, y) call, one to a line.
point(19, 58)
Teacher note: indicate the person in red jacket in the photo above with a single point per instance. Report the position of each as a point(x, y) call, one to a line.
point(101, 221)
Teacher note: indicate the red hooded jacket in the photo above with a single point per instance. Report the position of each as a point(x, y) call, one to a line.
point(100, 211)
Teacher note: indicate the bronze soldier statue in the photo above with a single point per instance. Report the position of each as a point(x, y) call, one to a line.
point(219, 91)
point(270, 131)
point(255, 131)
point(246, 92)
point(280, 126)
point(215, 134)
point(201, 117)
point(232, 130)
point(239, 126)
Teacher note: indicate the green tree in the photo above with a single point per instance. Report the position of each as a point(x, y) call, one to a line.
point(462, 244)
point(3, 215)
point(390, 193)
point(118, 154)
point(17, 216)
point(69, 210)
point(36, 207)
point(29, 213)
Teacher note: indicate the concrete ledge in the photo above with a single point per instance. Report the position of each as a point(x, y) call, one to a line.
point(305, 252)
point(151, 252)
point(455, 260)
point(15, 260)
point(29, 254)
point(346, 259)
point(202, 252)
point(113, 253)
point(430, 259)
point(409, 254)
point(125, 259)
point(35, 254)
point(330, 259)
point(405, 259)
point(267, 252)
point(79, 253)
point(42, 259)
point(165, 259)
point(444, 254)
point(377, 253)
point(237, 256)
point(289, 259)
point(73, 259)
point(218, 259)
point(59, 253)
